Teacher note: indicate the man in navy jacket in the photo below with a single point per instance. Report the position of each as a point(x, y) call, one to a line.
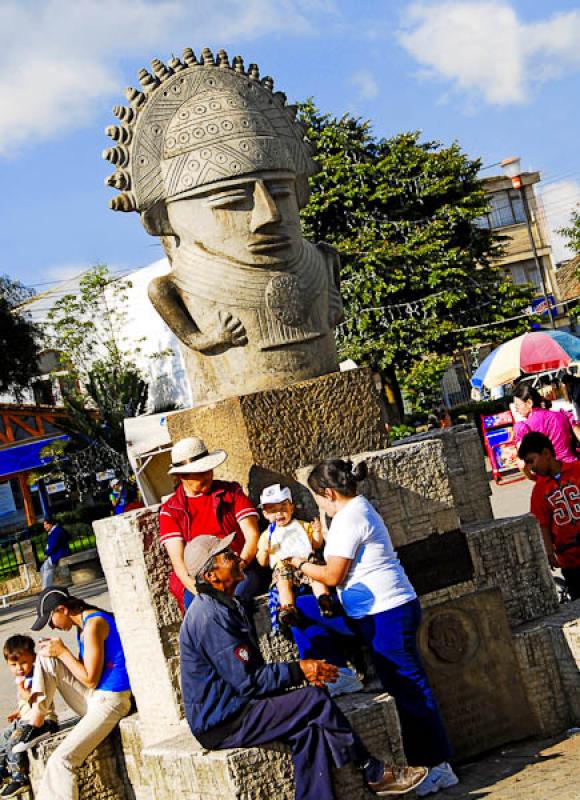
point(233, 699)
point(56, 548)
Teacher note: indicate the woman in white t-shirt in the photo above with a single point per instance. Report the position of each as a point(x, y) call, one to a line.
point(382, 608)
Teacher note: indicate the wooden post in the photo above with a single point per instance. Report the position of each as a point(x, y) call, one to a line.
point(27, 497)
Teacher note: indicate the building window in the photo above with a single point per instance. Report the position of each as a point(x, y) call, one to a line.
point(526, 272)
point(43, 392)
point(506, 208)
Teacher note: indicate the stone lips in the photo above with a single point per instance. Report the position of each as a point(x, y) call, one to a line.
point(198, 125)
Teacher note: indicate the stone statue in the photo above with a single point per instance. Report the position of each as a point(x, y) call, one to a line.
point(217, 166)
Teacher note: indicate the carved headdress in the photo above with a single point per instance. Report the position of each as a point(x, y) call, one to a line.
point(197, 122)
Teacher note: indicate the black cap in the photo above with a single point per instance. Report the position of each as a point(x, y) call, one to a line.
point(48, 600)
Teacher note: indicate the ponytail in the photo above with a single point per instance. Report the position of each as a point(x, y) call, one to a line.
point(334, 473)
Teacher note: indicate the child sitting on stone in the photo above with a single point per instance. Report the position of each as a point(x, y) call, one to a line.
point(20, 656)
point(285, 538)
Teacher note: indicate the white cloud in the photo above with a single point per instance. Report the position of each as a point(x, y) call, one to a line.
point(59, 59)
point(365, 84)
point(559, 200)
point(481, 47)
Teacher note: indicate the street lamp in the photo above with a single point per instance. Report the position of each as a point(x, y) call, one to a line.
point(512, 169)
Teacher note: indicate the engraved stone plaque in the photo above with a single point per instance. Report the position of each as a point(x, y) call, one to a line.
point(467, 649)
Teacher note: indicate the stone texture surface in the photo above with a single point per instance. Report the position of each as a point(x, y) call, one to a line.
point(284, 429)
point(465, 467)
point(179, 767)
point(466, 647)
point(507, 554)
point(103, 775)
point(548, 652)
point(137, 568)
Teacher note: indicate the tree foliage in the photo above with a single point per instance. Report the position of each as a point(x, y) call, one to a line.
point(572, 232)
point(104, 384)
point(18, 338)
point(417, 276)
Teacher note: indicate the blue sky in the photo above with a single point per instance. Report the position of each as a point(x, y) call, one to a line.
point(499, 76)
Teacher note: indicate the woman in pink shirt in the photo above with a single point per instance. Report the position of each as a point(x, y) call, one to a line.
point(553, 424)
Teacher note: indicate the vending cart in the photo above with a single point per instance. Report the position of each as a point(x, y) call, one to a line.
point(500, 445)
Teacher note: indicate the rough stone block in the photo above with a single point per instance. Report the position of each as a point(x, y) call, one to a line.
point(103, 775)
point(548, 652)
point(137, 570)
point(466, 646)
point(179, 767)
point(465, 466)
point(410, 488)
point(282, 429)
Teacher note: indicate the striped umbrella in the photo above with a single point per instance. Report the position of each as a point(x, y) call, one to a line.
point(538, 351)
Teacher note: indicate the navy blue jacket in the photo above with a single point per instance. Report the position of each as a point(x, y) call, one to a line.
point(222, 669)
point(57, 545)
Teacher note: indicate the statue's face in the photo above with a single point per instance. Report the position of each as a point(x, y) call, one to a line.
point(253, 220)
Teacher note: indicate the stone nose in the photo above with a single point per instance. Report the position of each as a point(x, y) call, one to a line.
point(265, 209)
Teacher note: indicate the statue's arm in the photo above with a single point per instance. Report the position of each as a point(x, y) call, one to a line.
point(335, 306)
point(226, 331)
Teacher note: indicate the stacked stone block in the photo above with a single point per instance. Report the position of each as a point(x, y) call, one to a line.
point(101, 777)
point(465, 467)
point(180, 767)
point(548, 651)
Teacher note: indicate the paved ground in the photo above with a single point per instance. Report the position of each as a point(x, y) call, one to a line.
point(532, 770)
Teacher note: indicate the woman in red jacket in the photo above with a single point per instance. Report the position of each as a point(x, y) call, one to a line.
point(202, 505)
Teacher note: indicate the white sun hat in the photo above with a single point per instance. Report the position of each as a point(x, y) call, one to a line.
point(275, 494)
point(192, 455)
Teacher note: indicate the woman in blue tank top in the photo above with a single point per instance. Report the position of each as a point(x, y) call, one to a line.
point(94, 684)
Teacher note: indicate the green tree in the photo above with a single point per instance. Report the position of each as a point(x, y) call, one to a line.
point(417, 276)
point(104, 384)
point(572, 232)
point(18, 338)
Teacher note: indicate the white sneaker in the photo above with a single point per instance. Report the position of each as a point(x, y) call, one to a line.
point(439, 777)
point(346, 683)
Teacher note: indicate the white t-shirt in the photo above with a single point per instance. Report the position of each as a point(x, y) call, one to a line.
point(376, 581)
point(288, 542)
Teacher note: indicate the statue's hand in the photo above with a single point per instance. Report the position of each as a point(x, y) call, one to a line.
point(227, 331)
point(232, 330)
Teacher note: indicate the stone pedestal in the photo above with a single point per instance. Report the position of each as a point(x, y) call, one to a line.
point(280, 430)
point(137, 570)
point(103, 775)
point(179, 767)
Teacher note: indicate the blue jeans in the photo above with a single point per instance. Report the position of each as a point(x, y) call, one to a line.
point(15, 764)
point(329, 638)
point(392, 638)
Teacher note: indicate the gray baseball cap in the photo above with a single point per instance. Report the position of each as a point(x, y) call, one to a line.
point(199, 551)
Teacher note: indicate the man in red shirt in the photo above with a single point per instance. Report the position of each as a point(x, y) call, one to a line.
point(204, 506)
point(556, 505)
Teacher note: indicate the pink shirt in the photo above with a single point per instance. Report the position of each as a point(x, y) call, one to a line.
point(553, 424)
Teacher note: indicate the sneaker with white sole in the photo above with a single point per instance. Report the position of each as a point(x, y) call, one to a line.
point(439, 777)
point(32, 736)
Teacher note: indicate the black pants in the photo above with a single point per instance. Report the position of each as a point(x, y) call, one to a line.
point(572, 578)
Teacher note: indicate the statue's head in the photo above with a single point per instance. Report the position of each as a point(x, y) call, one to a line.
point(209, 155)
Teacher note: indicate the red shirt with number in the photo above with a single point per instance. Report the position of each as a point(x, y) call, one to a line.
point(217, 513)
point(556, 505)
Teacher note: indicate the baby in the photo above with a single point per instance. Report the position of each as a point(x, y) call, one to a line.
point(20, 657)
point(284, 539)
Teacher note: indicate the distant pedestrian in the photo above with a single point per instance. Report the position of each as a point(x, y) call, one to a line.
point(57, 547)
point(556, 505)
point(117, 496)
point(556, 425)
